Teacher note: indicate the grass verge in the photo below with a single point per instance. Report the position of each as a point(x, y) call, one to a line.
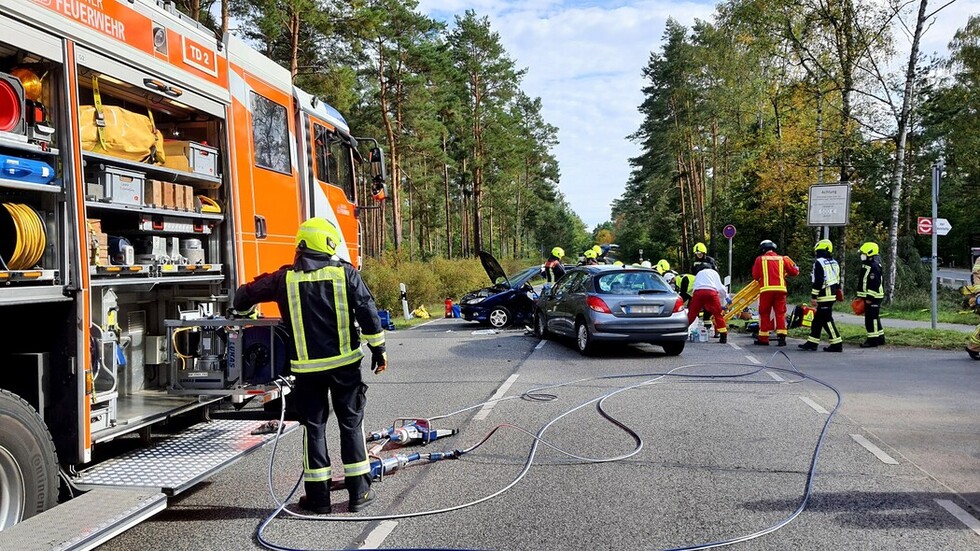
point(940, 339)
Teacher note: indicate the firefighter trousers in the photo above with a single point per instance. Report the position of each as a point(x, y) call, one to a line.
point(872, 319)
point(347, 393)
point(823, 318)
point(772, 302)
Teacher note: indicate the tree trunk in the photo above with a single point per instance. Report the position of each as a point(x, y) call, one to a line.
point(449, 214)
point(224, 17)
point(294, 23)
point(383, 91)
point(898, 170)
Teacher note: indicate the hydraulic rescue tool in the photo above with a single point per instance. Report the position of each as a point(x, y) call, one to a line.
point(406, 430)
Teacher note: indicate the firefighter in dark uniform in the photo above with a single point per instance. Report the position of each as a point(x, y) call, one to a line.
point(702, 260)
point(684, 283)
point(873, 292)
point(825, 290)
point(320, 296)
point(552, 270)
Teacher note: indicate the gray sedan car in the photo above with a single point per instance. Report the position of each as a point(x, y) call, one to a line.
point(596, 304)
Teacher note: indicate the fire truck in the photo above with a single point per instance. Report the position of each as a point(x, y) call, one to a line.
point(147, 168)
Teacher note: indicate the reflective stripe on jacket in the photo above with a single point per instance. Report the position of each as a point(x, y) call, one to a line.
point(826, 279)
point(770, 271)
point(871, 283)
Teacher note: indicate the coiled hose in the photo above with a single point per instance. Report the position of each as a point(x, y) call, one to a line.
point(29, 238)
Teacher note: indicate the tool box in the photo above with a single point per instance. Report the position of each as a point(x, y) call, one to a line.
point(25, 170)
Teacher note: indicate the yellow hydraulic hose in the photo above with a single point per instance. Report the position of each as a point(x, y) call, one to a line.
point(30, 239)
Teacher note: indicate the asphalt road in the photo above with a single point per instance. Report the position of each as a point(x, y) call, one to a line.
point(721, 458)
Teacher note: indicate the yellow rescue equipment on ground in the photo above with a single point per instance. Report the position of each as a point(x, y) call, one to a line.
point(743, 299)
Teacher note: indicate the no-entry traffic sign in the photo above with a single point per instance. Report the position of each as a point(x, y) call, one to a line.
point(729, 231)
point(924, 226)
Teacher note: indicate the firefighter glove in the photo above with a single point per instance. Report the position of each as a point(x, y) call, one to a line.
point(840, 295)
point(379, 359)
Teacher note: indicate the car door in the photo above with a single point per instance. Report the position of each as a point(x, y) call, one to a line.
point(557, 310)
point(573, 304)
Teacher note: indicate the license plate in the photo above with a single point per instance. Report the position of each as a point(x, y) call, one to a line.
point(643, 309)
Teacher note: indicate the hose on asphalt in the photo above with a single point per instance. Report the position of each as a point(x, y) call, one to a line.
point(537, 394)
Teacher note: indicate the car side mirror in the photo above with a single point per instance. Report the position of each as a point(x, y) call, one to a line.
point(378, 174)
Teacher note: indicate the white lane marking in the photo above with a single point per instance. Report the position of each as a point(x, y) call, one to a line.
point(485, 410)
point(956, 511)
point(776, 376)
point(735, 346)
point(878, 452)
point(816, 407)
point(426, 323)
point(540, 344)
point(753, 360)
point(378, 535)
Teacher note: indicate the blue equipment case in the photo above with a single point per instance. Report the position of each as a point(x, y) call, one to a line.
point(25, 170)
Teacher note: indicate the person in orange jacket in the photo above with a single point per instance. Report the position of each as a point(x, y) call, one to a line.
point(770, 270)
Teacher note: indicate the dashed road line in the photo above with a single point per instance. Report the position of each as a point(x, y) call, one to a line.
point(963, 516)
point(816, 407)
point(378, 535)
point(485, 410)
point(878, 452)
point(735, 346)
point(776, 376)
point(540, 344)
point(753, 360)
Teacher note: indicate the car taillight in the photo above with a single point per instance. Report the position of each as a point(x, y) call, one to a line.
point(598, 305)
point(679, 305)
point(11, 104)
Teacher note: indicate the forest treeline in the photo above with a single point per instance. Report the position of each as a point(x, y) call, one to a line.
point(470, 158)
point(743, 113)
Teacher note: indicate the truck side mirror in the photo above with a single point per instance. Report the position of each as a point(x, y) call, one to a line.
point(378, 174)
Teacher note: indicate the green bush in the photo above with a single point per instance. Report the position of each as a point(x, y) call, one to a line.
point(429, 282)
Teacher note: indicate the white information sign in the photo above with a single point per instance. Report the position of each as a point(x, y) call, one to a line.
point(943, 226)
point(830, 205)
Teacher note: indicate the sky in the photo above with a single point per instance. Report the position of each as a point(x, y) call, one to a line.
point(584, 60)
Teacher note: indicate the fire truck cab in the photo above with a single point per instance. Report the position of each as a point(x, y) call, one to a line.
point(147, 168)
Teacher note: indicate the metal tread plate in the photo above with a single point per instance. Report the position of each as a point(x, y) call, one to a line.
point(182, 460)
point(84, 522)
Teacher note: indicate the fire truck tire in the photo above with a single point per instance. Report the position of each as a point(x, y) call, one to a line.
point(28, 462)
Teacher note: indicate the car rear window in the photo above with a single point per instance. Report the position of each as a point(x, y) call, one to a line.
point(630, 283)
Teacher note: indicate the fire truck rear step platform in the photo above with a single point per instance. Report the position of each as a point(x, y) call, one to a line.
point(85, 522)
point(182, 460)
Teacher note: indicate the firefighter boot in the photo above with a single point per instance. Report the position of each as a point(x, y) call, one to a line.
point(761, 340)
point(361, 502)
point(808, 346)
point(973, 353)
point(314, 506)
point(782, 340)
point(834, 348)
point(723, 338)
point(870, 343)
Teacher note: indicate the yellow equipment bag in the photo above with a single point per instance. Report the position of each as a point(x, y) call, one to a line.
point(118, 132)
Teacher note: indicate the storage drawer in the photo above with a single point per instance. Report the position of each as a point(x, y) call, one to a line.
point(120, 185)
point(191, 157)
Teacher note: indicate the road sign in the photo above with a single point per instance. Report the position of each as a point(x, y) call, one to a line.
point(729, 231)
point(924, 226)
point(943, 226)
point(830, 205)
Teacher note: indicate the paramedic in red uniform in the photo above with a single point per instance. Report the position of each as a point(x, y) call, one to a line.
point(770, 270)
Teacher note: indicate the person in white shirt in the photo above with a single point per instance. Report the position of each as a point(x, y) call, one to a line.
point(709, 294)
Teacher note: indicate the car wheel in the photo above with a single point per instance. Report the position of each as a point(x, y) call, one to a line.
point(673, 348)
point(583, 339)
point(541, 325)
point(499, 317)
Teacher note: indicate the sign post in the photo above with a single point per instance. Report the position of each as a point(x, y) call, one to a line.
point(937, 175)
point(729, 233)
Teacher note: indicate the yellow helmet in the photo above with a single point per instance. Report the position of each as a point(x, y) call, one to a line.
point(869, 249)
point(824, 245)
point(597, 249)
point(663, 266)
point(700, 248)
point(618, 263)
point(589, 254)
point(318, 234)
point(558, 252)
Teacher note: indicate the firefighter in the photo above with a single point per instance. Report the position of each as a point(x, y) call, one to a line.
point(770, 270)
point(319, 294)
point(873, 292)
point(590, 258)
point(684, 283)
point(599, 255)
point(702, 260)
point(973, 342)
point(709, 294)
point(552, 269)
point(825, 290)
point(663, 268)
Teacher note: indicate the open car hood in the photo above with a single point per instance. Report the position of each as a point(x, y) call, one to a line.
point(494, 271)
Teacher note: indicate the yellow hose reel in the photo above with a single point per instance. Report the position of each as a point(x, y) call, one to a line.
point(29, 239)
